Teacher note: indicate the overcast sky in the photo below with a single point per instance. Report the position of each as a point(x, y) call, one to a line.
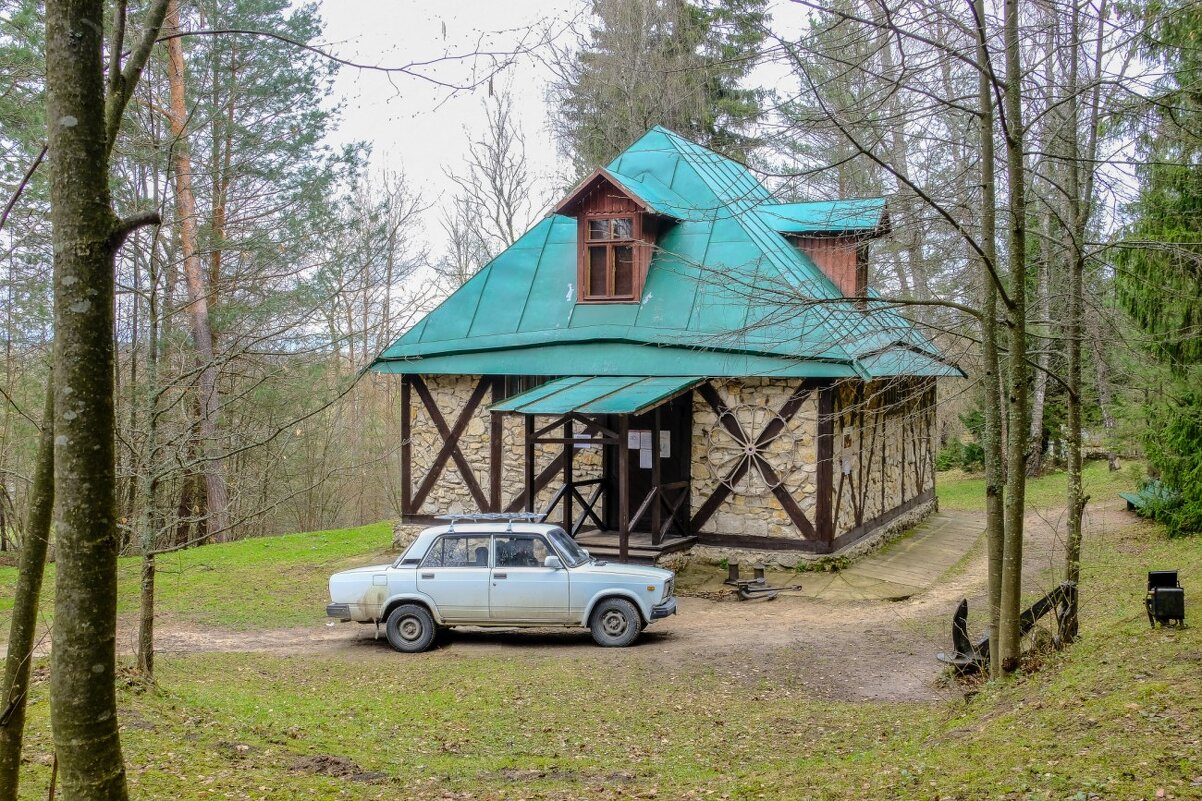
point(416, 125)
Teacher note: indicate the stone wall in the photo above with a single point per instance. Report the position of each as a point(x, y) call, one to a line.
point(883, 454)
point(450, 494)
point(751, 508)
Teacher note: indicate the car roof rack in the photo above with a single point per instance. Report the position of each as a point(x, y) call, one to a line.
point(481, 517)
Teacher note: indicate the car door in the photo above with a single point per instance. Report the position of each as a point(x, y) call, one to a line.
point(455, 574)
point(522, 589)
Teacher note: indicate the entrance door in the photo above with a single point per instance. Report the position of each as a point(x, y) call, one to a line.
point(676, 439)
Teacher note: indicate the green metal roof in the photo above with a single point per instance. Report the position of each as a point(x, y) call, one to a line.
point(827, 216)
point(726, 294)
point(597, 395)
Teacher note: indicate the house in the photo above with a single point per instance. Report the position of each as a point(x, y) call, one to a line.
point(671, 359)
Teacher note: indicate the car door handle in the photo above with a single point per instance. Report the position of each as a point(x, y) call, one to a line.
point(427, 575)
point(500, 575)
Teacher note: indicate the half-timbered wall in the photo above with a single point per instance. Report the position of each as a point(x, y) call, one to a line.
point(754, 473)
point(883, 460)
point(436, 479)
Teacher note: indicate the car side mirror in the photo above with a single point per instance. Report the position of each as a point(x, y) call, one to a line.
point(553, 563)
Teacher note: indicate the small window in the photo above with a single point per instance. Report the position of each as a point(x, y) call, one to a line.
point(458, 551)
point(521, 550)
point(609, 259)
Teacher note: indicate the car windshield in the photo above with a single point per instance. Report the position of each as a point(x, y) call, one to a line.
point(572, 553)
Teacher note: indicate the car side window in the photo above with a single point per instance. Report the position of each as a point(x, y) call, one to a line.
point(453, 550)
point(521, 550)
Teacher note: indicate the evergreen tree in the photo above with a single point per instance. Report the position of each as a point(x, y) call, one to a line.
point(659, 62)
point(1159, 277)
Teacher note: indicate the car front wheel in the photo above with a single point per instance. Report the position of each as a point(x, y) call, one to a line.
point(615, 623)
point(410, 628)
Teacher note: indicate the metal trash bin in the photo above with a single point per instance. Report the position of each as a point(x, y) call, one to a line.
point(1165, 600)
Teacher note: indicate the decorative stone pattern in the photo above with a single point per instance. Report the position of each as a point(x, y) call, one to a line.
point(450, 494)
point(751, 508)
point(883, 454)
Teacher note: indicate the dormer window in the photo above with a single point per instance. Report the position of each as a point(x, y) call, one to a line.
point(609, 258)
point(615, 237)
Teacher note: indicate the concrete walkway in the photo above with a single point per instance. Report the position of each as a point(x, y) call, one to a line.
point(903, 568)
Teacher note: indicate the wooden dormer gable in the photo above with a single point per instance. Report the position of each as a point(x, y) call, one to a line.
point(615, 237)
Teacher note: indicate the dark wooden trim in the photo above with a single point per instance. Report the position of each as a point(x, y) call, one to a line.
point(862, 530)
point(450, 443)
point(406, 449)
point(761, 543)
point(656, 478)
point(496, 454)
point(531, 491)
point(541, 480)
point(770, 432)
point(623, 488)
point(824, 510)
point(569, 453)
point(421, 520)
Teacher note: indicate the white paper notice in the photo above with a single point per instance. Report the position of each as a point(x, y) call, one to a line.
point(645, 440)
point(633, 439)
point(645, 458)
point(665, 445)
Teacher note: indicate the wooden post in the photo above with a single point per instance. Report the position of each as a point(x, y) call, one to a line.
point(656, 479)
point(569, 452)
point(529, 420)
point(623, 488)
point(496, 453)
point(825, 523)
point(406, 450)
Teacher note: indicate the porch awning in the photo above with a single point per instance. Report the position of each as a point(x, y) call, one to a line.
point(598, 395)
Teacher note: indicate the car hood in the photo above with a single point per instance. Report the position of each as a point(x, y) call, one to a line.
point(619, 569)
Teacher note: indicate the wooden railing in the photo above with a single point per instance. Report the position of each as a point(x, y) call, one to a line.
point(589, 506)
point(666, 498)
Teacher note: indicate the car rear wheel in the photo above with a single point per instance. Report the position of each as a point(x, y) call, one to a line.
point(410, 628)
point(615, 623)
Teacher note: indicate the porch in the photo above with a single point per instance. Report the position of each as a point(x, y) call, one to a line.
point(634, 510)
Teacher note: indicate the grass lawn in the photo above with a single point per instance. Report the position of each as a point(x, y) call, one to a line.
point(1117, 716)
point(285, 577)
point(959, 490)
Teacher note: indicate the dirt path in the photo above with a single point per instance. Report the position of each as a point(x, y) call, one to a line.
point(834, 649)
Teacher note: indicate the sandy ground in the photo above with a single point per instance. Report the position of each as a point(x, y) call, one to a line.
point(850, 650)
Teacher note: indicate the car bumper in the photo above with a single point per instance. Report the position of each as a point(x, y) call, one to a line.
point(666, 609)
point(340, 611)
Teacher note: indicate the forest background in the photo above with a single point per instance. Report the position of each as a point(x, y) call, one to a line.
point(284, 263)
point(211, 275)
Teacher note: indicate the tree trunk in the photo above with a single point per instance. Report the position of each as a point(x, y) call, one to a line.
point(1039, 391)
point(216, 492)
point(83, 702)
point(1105, 396)
point(25, 608)
point(148, 484)
point(992, 444)
point(1016, 379)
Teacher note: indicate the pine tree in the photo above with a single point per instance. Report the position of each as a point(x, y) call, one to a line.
point(1159, 276)
point(660, 62)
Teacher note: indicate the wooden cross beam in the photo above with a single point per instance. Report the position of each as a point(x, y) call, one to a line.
point(450, 443)
point(754, 458)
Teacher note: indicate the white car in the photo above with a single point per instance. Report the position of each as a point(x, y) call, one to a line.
point(500, 572)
